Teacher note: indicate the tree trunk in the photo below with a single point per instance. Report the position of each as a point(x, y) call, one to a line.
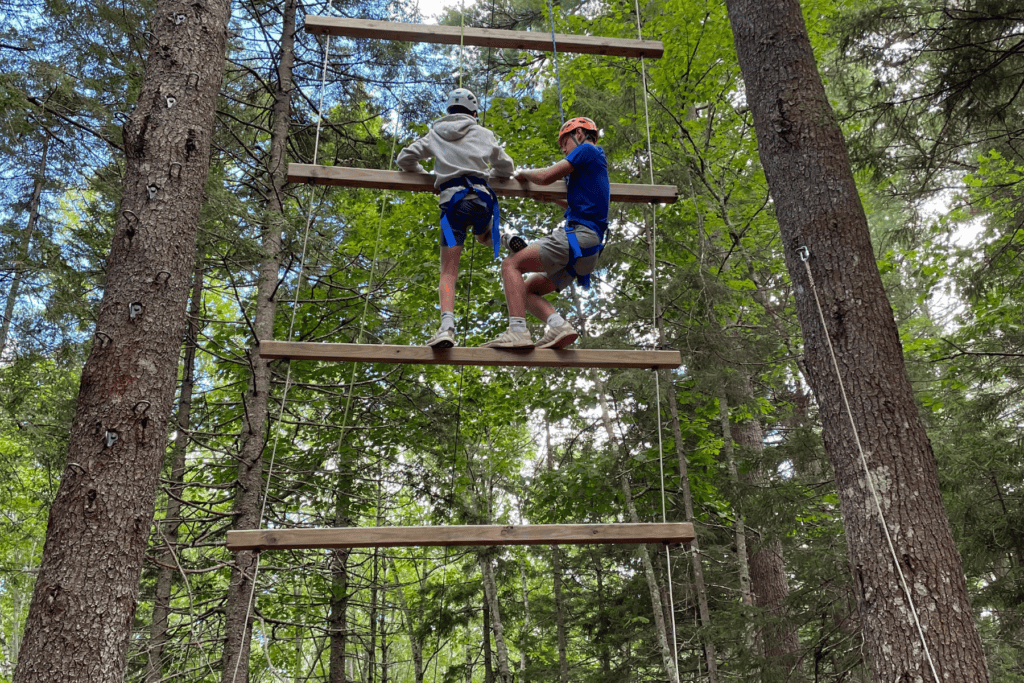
point(779, 643)
point(26, 242)
point(739, 528)
point(523, 645)
point(556, 579)
point(338, 617)
point(488, 666)
point(696, 560)
point(248, 498)
point(415, 644)
point(168, 529)
point(816, 201)
point(88, 584)
point(497, 628)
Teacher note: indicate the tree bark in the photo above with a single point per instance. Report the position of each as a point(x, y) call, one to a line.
point(817, 205)
point(168, 529)
point(26, 243)
point(248, 498)
point(88, 584)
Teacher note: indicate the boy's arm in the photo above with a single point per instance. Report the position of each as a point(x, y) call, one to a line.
point(502, 165)
point(409, 158)
point(545, 176)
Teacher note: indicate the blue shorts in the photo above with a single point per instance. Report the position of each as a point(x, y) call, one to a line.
point(471, 211)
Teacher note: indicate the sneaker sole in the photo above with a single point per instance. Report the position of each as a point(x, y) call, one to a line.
point(516, 244)
point(443, 344)
point(508, 347)
point(561, 341)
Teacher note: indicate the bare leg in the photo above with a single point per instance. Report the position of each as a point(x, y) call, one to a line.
point(449, 273)
point(521, 295)
point(537, 285)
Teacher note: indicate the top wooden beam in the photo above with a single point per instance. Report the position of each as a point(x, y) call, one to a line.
point(424, 182)
point(483, 37)
point(424, 355)
point(408, 536)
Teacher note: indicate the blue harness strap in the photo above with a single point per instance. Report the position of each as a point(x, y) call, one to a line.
point(468, 182)
point(578, 253)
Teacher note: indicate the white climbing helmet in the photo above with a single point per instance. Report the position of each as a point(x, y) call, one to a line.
point(460, 97)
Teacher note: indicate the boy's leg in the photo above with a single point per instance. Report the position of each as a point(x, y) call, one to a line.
point(516, 291)
point(449, 273)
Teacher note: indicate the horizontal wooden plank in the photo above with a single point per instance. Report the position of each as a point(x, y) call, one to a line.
point(483, 37)
point(424, 182)
point(406, 536)
point(424, 355)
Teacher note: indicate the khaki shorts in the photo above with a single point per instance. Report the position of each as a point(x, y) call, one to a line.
point(555, 254)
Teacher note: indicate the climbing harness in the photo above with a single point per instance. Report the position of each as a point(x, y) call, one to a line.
point(578, 253)
point(481, 189)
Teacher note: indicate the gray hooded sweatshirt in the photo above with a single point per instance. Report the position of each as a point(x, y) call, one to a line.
point(460, 146)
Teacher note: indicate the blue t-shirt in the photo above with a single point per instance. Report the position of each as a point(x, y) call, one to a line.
point(588, 192)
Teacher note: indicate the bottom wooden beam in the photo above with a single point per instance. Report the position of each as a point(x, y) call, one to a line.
point(403, 536)
point(383, 353)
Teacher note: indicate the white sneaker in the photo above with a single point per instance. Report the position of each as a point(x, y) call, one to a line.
point(558, 337)
point(511, 339)
point(444, 338)
point(514, 243)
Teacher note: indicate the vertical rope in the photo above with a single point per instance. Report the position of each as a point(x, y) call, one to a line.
point(554, 58)
point(805, 255)
point(655, 316)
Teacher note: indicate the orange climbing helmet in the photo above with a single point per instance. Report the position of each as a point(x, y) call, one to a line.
point(577, 123)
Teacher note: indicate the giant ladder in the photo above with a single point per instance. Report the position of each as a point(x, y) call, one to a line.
point(488, 535)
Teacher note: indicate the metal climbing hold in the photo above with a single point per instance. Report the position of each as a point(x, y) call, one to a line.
point(804, 252)
point(134, 310)
point(171, 101)
point(179, 19)
point(152, 190)
point(111, 437)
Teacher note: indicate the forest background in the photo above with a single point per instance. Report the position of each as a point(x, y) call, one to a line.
point(928, 97)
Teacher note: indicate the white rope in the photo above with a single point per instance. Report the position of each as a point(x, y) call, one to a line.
point(654, 317)
point(805, 254)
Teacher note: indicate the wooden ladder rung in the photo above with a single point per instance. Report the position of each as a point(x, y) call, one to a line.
point(402, 536)
point(483, 37)
point(424, 182)
point(424, 355)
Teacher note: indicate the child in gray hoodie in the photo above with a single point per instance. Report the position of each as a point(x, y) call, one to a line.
point(466, 156)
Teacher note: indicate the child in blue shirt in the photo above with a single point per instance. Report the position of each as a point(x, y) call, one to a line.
point(570, 251)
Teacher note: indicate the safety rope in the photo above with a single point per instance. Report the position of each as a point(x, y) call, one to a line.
point(805, 255)
point(654, 315)
point(554, 58)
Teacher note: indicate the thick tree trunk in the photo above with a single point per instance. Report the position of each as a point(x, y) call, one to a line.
point(86, 591)
point(488, 665)
point(23, 251)
point(249, 495)
point(816, 201)
point(523, 644)
point(338, 617)
point(168, 529)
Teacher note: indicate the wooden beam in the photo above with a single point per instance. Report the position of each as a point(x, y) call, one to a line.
point(424, 355)
point(483, 37)
point(424, 182)
point(405, 536)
